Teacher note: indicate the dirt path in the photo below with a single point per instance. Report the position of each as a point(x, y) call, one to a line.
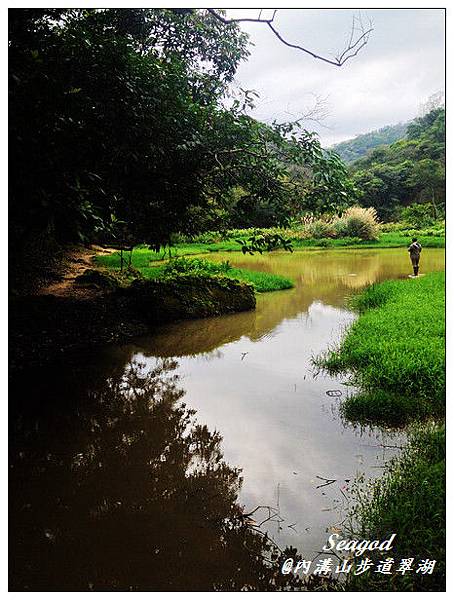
point(76, 262)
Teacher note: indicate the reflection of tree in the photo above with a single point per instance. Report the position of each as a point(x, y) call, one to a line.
point(127, 492)
point(326, 276)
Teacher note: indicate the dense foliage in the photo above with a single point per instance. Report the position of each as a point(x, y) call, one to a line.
point(408, 171)
point(359, 146)
point(119, 128)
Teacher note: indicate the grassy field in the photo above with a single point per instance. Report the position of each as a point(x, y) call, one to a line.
point(142, 257)
point(391, 239)
point(395, 352)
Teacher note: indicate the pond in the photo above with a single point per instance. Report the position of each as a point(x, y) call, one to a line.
point(125, 471)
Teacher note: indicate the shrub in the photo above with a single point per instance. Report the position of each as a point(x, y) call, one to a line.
point(358, 222)
point(195, 266)
point(390, 227)
point(340, 228)
point(417, 216)
point(320, 229)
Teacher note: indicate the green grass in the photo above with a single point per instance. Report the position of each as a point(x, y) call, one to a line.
point(386, 240)
point(142, 257)
point(262, 282)
point(393, 235)
point(395, 352)
point(408, 500)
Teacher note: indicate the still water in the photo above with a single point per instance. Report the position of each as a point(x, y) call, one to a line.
point(136, 470)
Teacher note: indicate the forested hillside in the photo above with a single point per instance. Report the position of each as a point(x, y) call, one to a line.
point(351, 150)
point(408, 171)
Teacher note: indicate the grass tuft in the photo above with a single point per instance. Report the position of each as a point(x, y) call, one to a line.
point(141, 259)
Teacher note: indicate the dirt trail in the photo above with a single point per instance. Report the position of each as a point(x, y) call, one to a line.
point(76, 262)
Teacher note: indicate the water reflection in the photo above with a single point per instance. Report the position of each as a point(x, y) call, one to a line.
point(124, 490)
point(258, 388)
point(114, 485)
point(280, 425)
point(327, 277)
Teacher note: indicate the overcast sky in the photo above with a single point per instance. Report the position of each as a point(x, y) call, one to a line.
point(402, 65)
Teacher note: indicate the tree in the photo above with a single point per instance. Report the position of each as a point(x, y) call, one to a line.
point(117, 116)
point(407, 171)
point(88, 126)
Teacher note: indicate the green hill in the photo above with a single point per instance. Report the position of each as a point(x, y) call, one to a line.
point(410, 170)
point(359, 146)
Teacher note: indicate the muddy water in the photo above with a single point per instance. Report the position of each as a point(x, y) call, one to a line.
point(250, 376)
point(125, 472)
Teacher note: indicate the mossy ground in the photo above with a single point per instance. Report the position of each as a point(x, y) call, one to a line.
point(189, 297)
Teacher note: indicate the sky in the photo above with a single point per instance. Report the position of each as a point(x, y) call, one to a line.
point(386, 83)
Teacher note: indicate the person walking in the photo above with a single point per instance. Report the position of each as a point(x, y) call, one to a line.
point(415, 249)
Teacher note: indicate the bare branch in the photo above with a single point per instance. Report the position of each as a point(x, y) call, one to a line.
point(352, 49)
point(225, 20)
point(316, 113)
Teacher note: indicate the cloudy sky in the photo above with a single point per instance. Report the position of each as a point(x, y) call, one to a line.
point(402, 65)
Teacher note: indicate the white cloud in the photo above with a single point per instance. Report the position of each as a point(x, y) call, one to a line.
point(402, 65)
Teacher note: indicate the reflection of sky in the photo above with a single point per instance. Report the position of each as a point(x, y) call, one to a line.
point(249, 376)
point(277, 422)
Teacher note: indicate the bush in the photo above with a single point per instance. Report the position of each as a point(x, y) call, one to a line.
point(195, 266)
point(417, 216)
point(358, 222)
point(340, 228)
point(321, 229)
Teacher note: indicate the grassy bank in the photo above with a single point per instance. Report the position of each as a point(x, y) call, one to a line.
point(408, 500)
point(395, 353)
point(319, 235)
point(385, 240)
point(142, 257)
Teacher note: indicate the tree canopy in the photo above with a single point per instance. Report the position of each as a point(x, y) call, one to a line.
point(119, 126)
point(407, 171)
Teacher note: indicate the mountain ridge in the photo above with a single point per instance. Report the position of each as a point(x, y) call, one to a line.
point(358, 147)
